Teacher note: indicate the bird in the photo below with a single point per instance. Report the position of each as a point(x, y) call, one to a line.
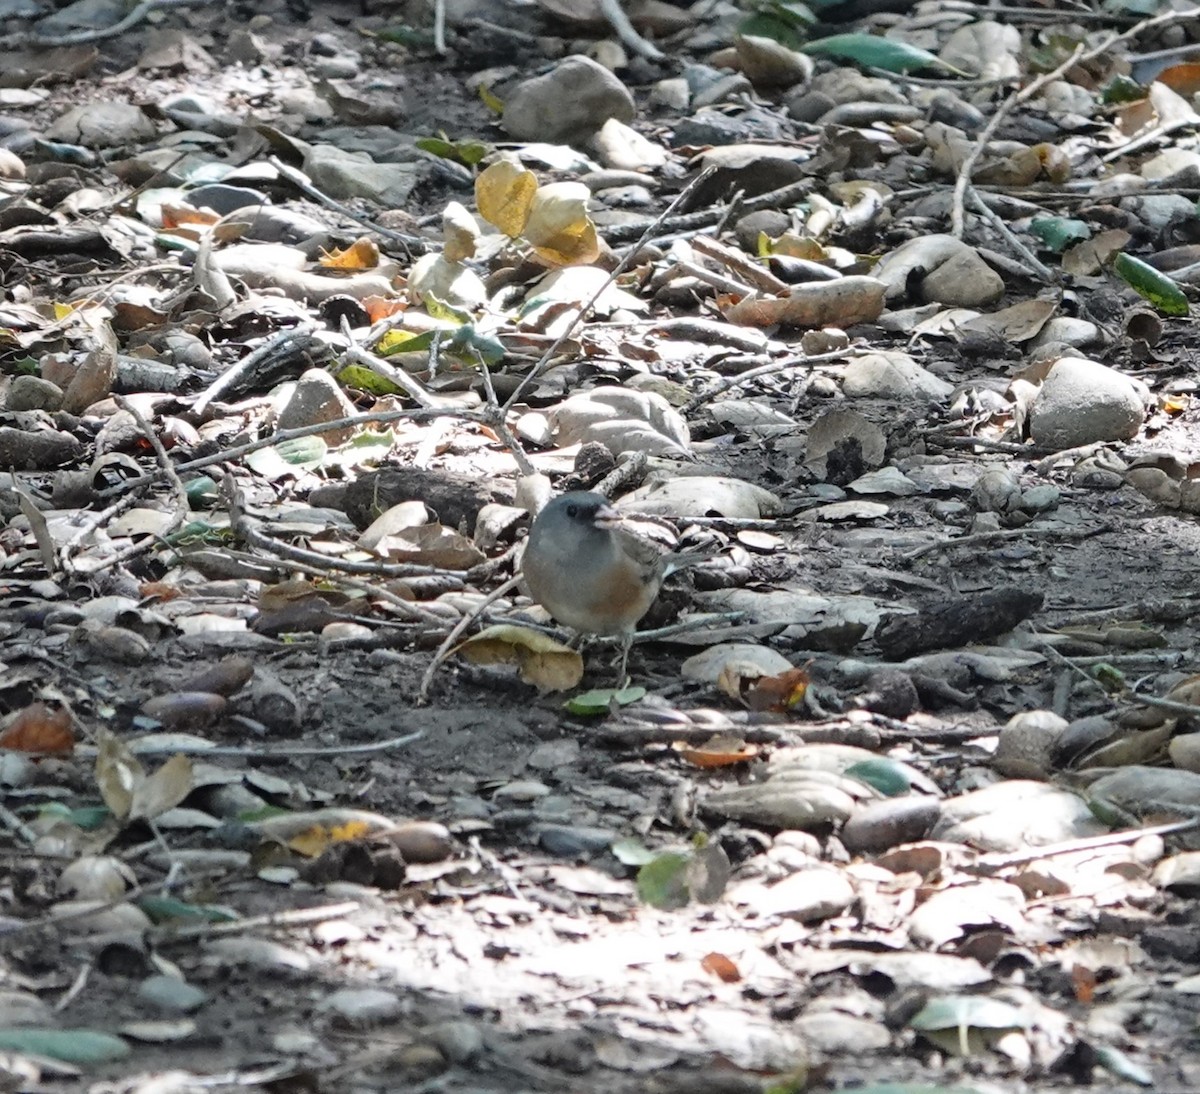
point(596, 569)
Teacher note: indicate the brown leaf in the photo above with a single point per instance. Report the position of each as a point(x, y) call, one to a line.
point(39, 729)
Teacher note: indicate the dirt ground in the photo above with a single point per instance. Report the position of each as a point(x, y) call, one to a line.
point(521, 958)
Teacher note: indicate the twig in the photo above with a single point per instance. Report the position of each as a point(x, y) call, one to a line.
point(704, 218)
point(287, 751)
point(742, 378)
point(443, 651)
point(439, 27)
point(543, 361)
point(625, 31)
point(244, 528)
point(375, 417)
point(79, 37)
point(978, 538)
point(381, 367)
point(997, 861)
point(414, 245)
point(963, 180)
point(247, 364)
point(997, 222)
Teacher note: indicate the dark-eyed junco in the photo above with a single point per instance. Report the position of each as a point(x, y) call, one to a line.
point(592, 568)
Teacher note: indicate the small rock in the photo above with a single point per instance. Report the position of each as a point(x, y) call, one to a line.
point(621, 148)
point(808, 895)
point(894, 375)
point(170, 994)
point(362, 1006)
point(673, 94)
point(317, 398)
point(1082, 402)
point(569, 103)
point(33, 393)
point(103, 125)
point(772, 222)
point(1027, 743)
point(880, 826)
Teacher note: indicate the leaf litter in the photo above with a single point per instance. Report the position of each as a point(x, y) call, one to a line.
point(890, 314)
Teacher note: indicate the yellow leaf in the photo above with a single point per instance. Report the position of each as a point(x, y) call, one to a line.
point(311, 842)
point(491, 100)
point(362, 254)
point(559, 227)
point(542, 661)
point(504, 194)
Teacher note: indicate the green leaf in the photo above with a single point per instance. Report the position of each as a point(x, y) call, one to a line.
point(467, 339)
point(1111, 678)
point(397, 340)
point(439, 309)
point(764, 24)
point(72, 1046)
point(873, 51)
point(361, 378)
point(303, 453)
point(884, 775)
point(600, 700)
point(202, 492)
point(1164, 294)
point(1059, 233)
point(415, 38)
point(1122, 89)
point(167, 909)
point(468, 153)
point(662, 882)
point(491, 100)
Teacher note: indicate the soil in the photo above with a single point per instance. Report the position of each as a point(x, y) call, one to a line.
point(522, 959)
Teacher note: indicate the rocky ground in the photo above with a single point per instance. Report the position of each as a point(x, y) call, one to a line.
point(887, 816)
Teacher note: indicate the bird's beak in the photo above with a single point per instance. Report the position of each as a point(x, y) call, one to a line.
point(608, 516)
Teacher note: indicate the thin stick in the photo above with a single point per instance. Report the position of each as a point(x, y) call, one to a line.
point(620, 268)
point(443, 651)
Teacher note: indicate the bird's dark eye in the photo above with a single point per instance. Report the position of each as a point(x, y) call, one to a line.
point(572, 510)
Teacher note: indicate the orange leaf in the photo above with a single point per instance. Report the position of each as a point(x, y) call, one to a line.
point(718, 751)
point(380, 307)
point(721, 967)
point(778, 693)
point(362, 254)
point(39, 729)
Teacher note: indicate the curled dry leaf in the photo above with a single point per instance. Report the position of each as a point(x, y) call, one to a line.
point(544, 662)
point(840, 303)
point(40, 730)
point(721, 750)
point(559, 227)
point(362, 254)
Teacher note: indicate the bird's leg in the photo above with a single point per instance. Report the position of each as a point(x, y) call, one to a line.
point(622, 676)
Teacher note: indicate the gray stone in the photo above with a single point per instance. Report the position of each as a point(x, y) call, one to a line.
point(1082, 402)
point(569, 103)
point(170, 994)
point(346, 175)
point(362, 1006)
point(317, 398)
point(33, 393)
point(103, 125)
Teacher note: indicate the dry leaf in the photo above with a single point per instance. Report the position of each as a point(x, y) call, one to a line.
point(504, 194)
point(163, 790)
point(362, 254)
point(39, 729)
point(544, 662)
point(721, 967)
